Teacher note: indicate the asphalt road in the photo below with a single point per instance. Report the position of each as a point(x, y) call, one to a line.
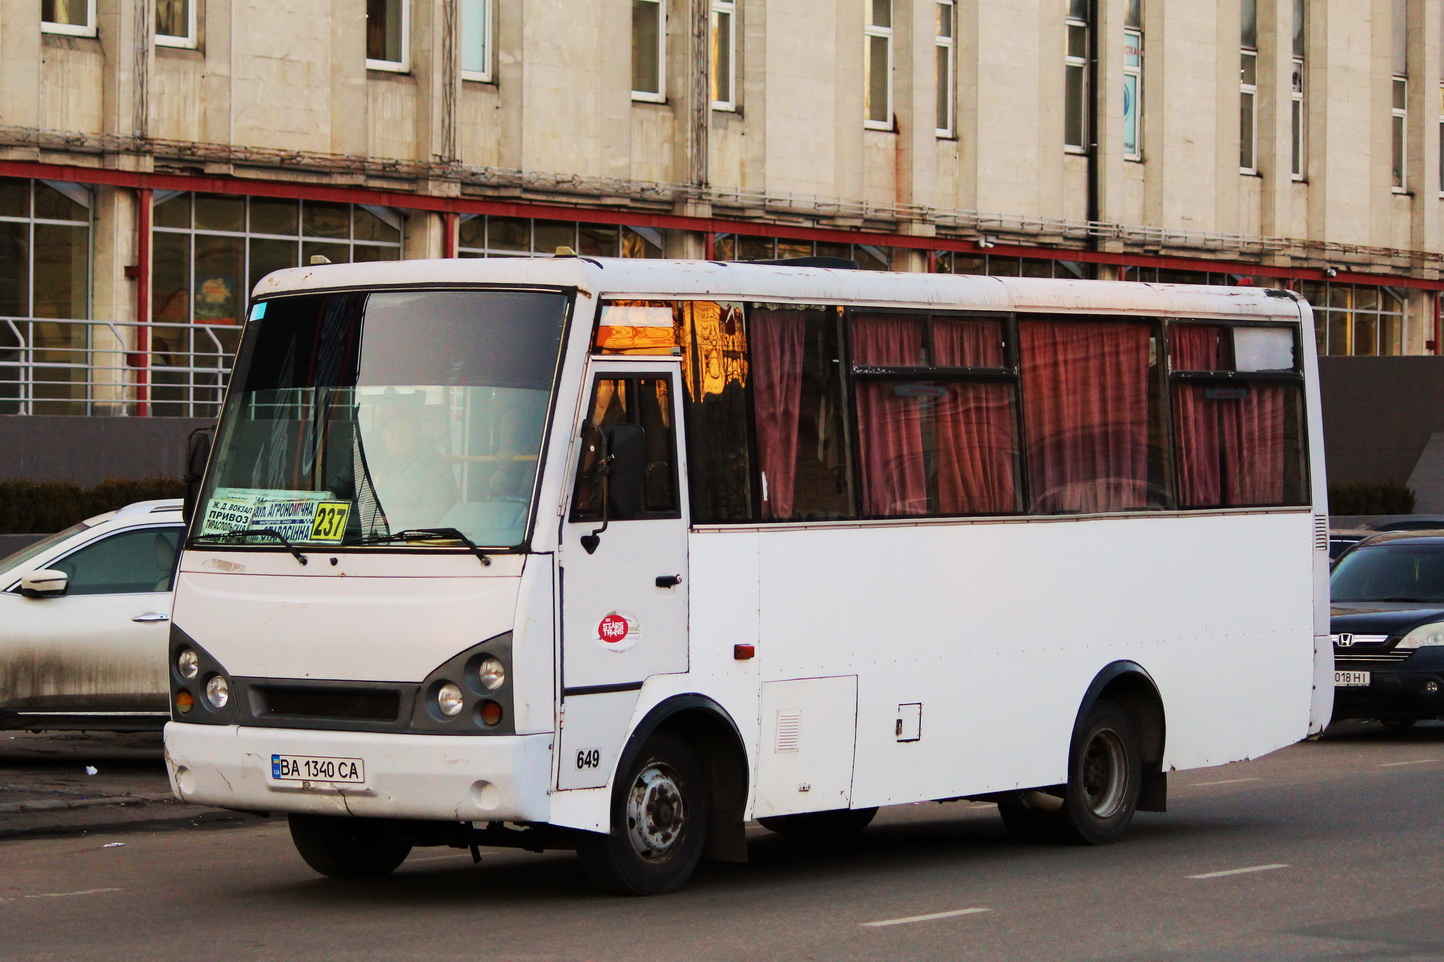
point(1326, 850)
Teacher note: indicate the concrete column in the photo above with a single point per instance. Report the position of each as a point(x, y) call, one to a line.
point(20, 46)
point(113, 297)
point(1423, 131)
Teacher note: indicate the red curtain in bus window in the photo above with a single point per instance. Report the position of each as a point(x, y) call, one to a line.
point(975, 427)
point(777, 339)
point(1195, 421)
point(889, 418)
point(1231, 446)
point(1085, 408)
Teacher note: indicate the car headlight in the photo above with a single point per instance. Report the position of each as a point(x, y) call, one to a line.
point(218, 691)
point(1425, 636)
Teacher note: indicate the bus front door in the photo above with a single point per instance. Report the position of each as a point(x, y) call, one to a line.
point(624, 603)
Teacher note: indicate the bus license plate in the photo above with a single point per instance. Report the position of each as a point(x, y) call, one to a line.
point(312, 768)
point(1351, 679)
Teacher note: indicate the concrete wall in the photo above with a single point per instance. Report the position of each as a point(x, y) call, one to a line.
point(90, 450)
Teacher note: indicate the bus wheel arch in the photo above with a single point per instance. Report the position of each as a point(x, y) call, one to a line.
point(1128, 685)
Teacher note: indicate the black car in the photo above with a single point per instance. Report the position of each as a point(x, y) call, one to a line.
point(1388, 628)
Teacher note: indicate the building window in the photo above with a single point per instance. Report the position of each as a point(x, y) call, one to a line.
point(1077, 101)
point(1355, 319)
point(481, 235)
point(741, 247)
point(1132, 80)
point(388, 30)
point(1298, 154)
point(74, 17)
point(1248, 87)
point(649, 50)
point(1399, 118)
point(476, 39)
point(209, 252)
point(945, 43)
point(994, 265)
point(175, 23)
point(724, 54)
point(877, 109)
point(49, 349)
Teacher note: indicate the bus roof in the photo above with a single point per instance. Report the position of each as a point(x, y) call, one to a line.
point(647, 278)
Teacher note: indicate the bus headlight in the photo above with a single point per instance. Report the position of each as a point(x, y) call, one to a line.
point(492, 674)
point(448, 700)
point(218, 691)
point(188, 663)
point(1425, 636)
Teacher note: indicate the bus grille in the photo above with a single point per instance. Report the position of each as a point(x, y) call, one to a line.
point(351, 704)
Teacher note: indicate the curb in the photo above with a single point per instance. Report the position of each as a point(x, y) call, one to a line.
point(54, 804)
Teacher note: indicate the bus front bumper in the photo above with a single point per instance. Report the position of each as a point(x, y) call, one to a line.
point(454, 778)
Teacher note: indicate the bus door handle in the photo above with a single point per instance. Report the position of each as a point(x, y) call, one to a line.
point(668, 581)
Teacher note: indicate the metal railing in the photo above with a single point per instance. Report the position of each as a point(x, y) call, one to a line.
point(85, 367)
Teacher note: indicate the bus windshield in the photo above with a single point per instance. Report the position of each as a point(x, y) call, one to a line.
point(357, 416)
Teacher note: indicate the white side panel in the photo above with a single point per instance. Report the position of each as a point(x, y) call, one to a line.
point(804, 759)
point(533, 649)
point(593, 730)
point(997, 629)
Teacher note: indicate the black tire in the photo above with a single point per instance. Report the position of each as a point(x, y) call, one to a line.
point(838, 822)
point(345, 847)
point(1029, 824)
point(1105, 775)
point(660, 808)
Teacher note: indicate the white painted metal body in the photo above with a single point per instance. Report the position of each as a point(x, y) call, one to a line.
point(895, 661)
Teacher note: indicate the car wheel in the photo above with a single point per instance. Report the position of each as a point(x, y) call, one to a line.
point(345, 847)
point(839, 822)
point(660, 809)
point(1105, 774)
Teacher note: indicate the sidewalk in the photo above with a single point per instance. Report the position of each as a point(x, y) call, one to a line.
point(64, 783)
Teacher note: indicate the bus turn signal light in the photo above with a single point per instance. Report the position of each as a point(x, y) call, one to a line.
point(184, 701)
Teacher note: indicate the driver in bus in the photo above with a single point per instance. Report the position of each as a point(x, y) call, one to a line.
point(414, 484)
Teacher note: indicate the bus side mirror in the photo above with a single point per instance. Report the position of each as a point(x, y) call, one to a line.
point(198, 452)
point(626, 447)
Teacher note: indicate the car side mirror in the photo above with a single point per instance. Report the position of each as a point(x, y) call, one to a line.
point(198, 452)
point(45, 583)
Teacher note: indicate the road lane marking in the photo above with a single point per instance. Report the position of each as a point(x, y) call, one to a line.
point(1417, 761)
point(57, 895)
point(924, 918)
point(1239, 871)
point(1229, 781)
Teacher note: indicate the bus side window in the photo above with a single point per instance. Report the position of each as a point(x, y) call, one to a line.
point(647, 402)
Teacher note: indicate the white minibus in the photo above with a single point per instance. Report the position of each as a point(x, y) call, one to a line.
point(616, 555)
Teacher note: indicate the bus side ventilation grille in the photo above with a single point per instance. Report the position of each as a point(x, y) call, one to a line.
point(1321, 532)
point(789, 730)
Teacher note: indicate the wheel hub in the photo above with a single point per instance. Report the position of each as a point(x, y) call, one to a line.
point(656, 812)
point(1105, 773)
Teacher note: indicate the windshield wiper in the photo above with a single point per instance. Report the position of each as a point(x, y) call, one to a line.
point(414, 534)
point(253, 533)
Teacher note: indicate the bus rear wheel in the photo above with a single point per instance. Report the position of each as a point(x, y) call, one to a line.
point(660, 809)
point(1105, 775)
point(344, 847)
point(842, 821)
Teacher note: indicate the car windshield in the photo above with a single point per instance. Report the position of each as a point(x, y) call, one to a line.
point(18, 558)
point(357, 415)
point(1392, 571)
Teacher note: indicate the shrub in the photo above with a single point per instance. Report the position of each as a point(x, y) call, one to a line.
point(39, 507)
point(1371, 497)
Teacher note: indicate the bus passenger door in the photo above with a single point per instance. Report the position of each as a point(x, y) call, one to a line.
point(624, 602)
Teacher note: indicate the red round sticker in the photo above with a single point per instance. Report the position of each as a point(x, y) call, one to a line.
point(612, 629)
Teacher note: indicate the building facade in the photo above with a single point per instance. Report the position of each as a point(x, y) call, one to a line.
point(157, 157)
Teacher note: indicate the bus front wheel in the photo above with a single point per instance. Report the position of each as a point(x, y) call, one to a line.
point(659, 823)
point(344, 847)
